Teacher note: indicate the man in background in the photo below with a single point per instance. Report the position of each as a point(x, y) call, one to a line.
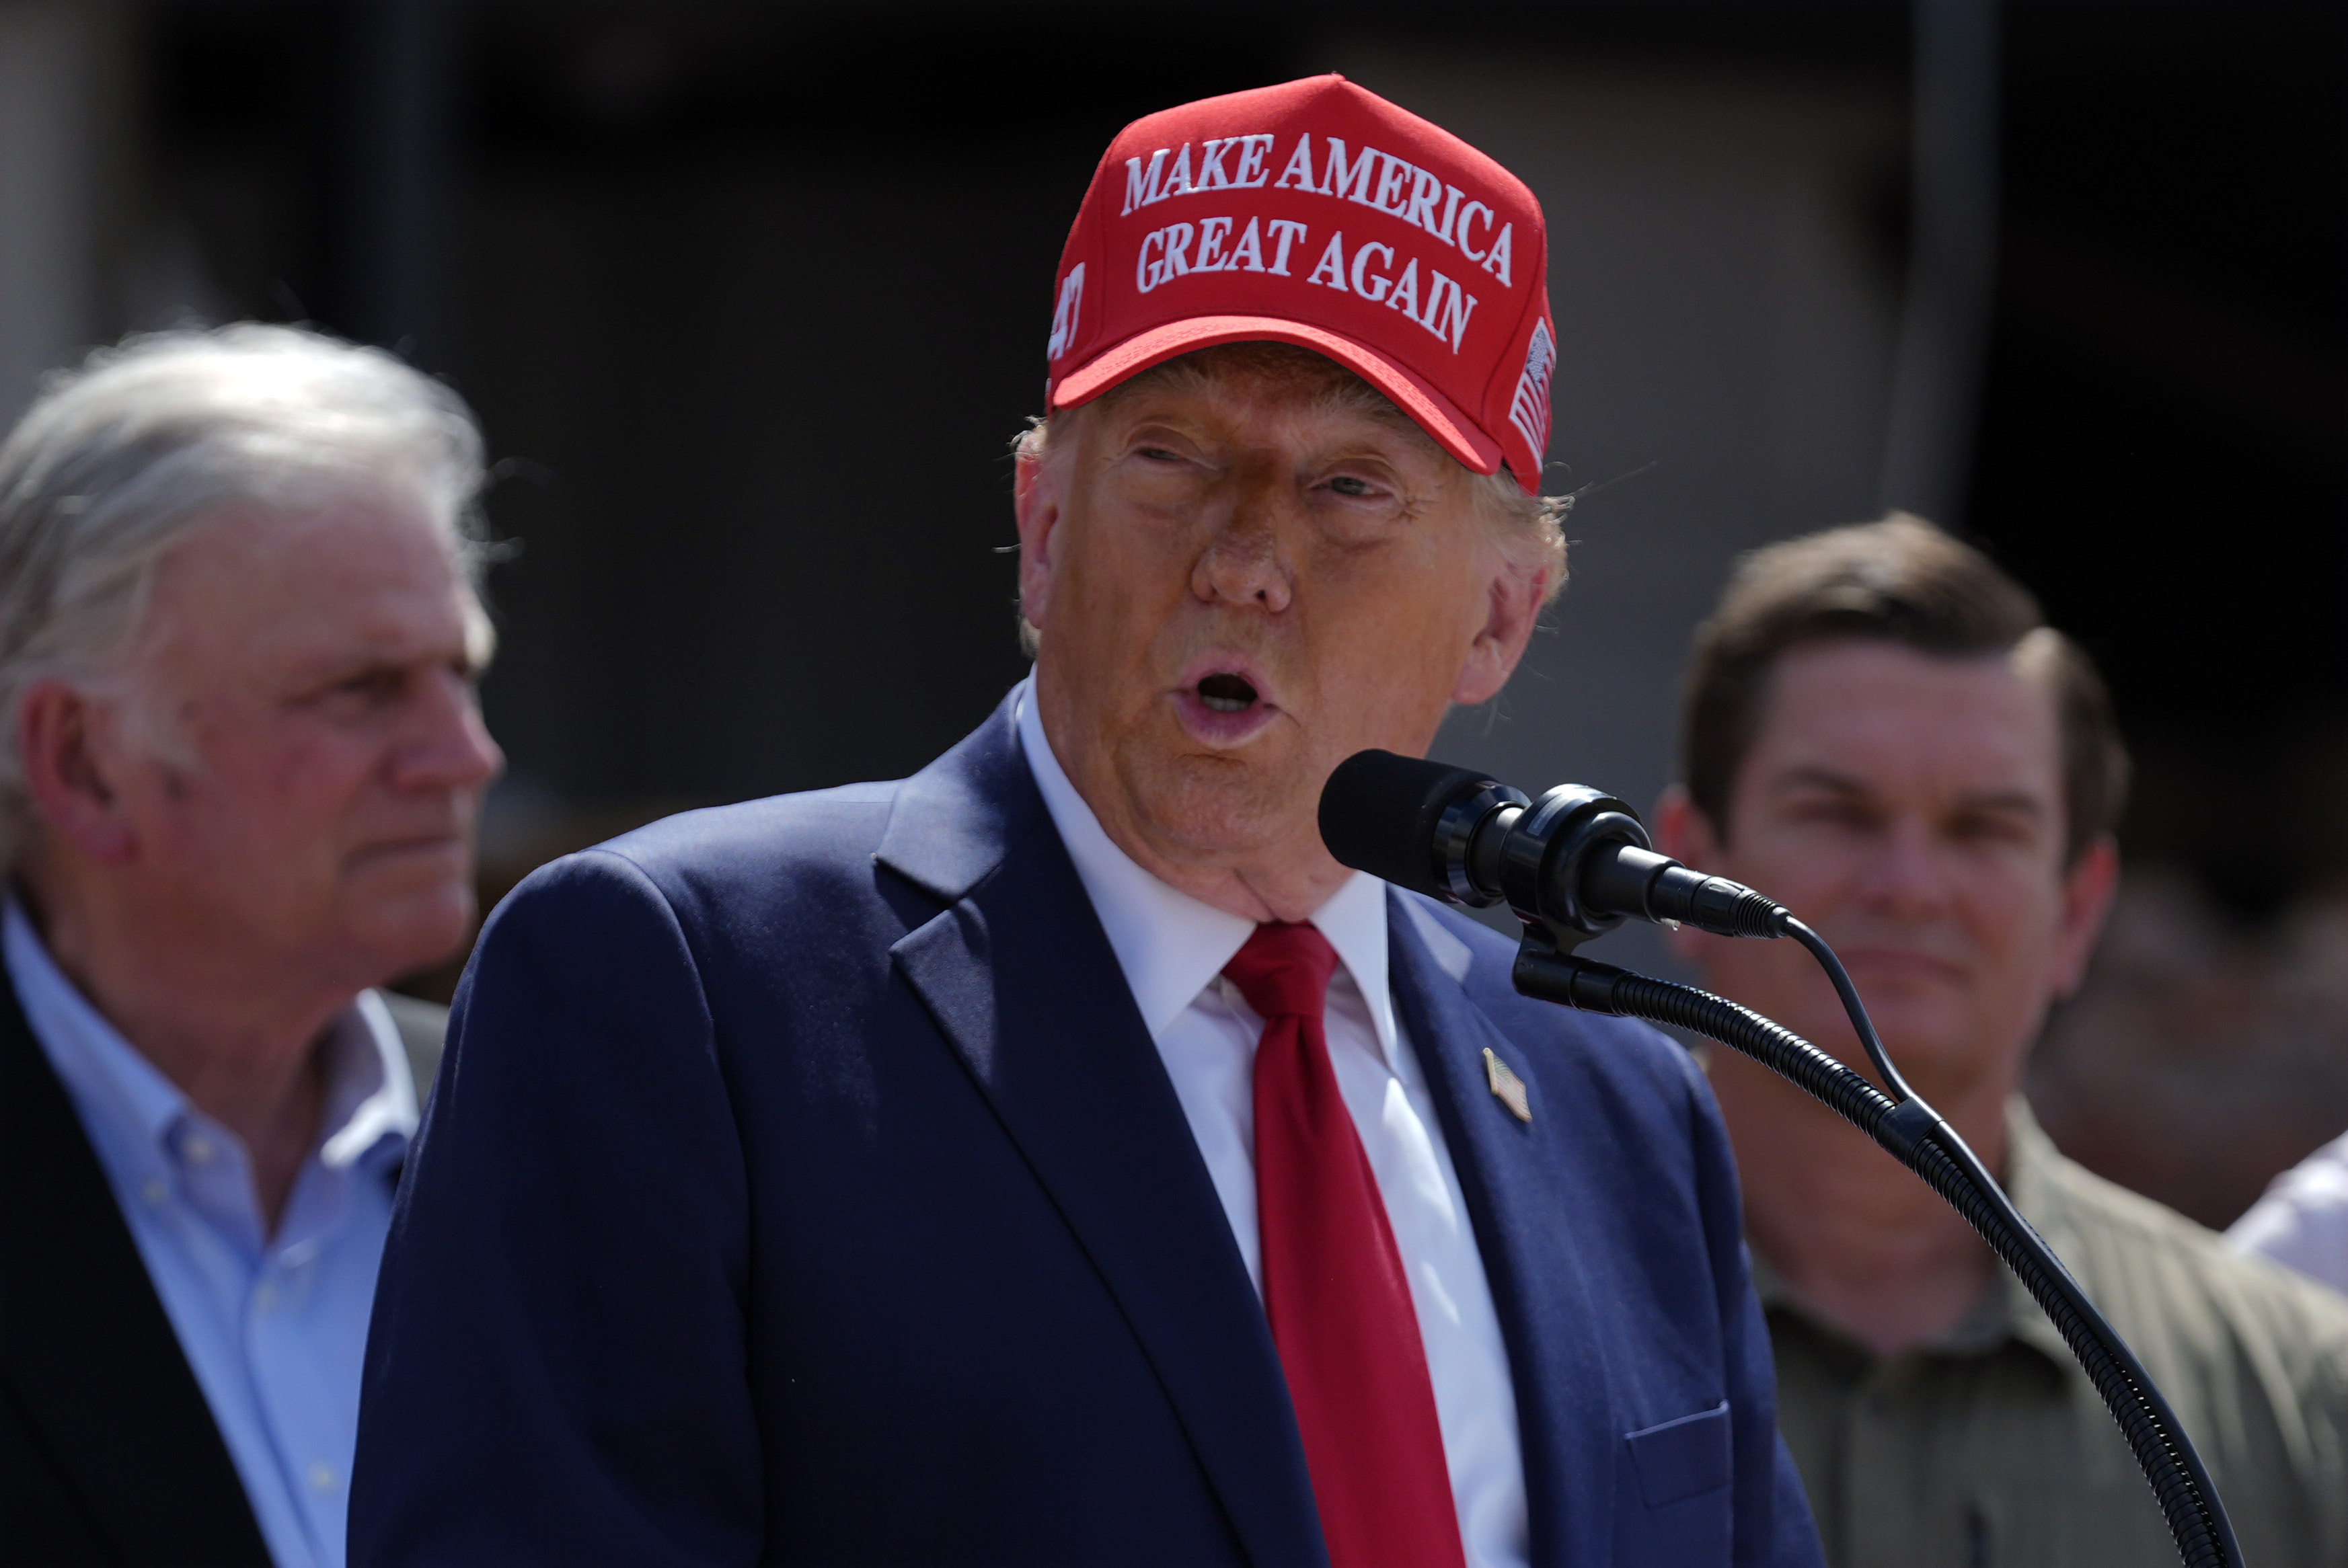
point(1881, 734)
point(239, 773)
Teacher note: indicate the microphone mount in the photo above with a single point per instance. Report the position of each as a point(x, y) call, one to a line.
point(1574, 865)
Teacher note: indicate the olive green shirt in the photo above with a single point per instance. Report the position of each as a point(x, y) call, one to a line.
point(1990, 1447)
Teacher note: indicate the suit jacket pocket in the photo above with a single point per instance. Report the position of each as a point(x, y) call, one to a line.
point(1683, 1457)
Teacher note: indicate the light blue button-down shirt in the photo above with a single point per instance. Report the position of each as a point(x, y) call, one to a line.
point(274, 1327)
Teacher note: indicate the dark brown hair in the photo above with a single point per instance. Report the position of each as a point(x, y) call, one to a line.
point(1900, 581)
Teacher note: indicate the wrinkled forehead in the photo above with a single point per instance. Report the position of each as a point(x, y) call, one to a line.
point(247, 570)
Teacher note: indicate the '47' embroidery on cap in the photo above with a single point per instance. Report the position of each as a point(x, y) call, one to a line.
point(1063, 313)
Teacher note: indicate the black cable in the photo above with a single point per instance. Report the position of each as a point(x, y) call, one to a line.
point(1896, 1085)
point(1916, 1136)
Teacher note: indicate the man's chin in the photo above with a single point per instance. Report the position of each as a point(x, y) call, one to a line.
point(1938, 1054)
point(1218, 808)
point(401, 935)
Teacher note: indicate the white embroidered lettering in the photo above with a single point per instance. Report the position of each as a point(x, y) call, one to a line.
point(1450, 210)
point(1178, 249)
point(1148, 271)
point(1289, 231)
point(1332, 263)
point(1211, 166)
point(1177, 178)
point(1142, 190)
point(1063, 313)
point(1405, 297)
point(1248, 254)
point(1337, 176)
point(1467, 216)
point(1212, 232)
point(1298, 175)
point(1392, 175)
point(1423, 189)
point(1373, 289)
point(1497, 263)
point(1255, 153)
point(1448, 306)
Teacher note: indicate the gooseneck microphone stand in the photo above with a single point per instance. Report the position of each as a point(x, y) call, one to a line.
point(1574, 865)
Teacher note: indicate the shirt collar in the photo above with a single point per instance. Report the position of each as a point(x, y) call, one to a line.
point(93, 1060)
point(2035, 1180)
point(370, 1090)
point(370, 1095)
point(1171, 946)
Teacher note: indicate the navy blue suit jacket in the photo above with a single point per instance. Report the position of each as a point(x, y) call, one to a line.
point(801, 1185)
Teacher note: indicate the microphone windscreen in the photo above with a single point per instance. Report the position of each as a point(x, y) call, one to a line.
point(1379, 812)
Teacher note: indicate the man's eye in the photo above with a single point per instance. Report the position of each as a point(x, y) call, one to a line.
point(1161, 454)
point(1346, 485)
point(1992, 827)
point(375, 686)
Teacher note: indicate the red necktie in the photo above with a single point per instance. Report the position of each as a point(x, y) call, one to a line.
point(1332, 1282)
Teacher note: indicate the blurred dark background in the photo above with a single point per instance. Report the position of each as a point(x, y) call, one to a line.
point(750, 298)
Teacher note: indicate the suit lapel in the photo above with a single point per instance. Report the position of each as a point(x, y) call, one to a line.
point(88, 1359)
point(1520, 1198)
point(1021, 979)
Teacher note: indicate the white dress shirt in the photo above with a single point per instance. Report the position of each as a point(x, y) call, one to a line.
point(274, 1326)
point(1172, 949)
point(2301, 1223)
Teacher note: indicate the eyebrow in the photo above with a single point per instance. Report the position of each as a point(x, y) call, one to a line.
point(1813, 777)
point(1810, 776)
point(342, 666)
point(2015, 801)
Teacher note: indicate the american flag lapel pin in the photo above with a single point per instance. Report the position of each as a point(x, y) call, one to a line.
point(1507, 1087)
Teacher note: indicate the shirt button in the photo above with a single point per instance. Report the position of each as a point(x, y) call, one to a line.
point(322, 1478)
point(199, 1149)
point(265, 1297)
point(151, 1190)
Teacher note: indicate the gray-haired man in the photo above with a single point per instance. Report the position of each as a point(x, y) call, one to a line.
point(239, 773)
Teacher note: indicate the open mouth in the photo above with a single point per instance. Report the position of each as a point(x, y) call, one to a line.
point(1227, 694)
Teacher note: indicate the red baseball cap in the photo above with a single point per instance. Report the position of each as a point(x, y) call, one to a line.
point(1316, 213)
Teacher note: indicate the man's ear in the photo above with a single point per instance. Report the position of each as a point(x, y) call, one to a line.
point(2087, 889)
point(1037, 491)
point(1513, 606)
point(60, 736)
point(1682, 829)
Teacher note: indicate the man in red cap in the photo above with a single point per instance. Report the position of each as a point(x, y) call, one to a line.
point(1056, 1157)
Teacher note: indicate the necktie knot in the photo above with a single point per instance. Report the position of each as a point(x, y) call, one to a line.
point(1284, 970)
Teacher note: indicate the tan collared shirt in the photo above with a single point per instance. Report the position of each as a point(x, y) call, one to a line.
point(1990, 1448)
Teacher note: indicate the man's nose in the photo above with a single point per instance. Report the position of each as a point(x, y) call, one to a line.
point(1242, 563)
point(449, 746)
point(1905, 877)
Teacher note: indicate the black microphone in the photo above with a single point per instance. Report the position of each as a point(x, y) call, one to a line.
point(1576, 863)
point(1576, 860)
